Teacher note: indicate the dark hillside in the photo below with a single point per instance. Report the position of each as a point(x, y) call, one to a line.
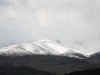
point(20, 70)
point(86, 72)
point(54, 64)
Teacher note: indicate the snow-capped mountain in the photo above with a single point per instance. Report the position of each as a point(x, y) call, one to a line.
point(47, 47)
point(42, 47)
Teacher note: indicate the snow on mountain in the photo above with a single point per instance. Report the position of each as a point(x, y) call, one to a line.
point(42, 47)
point(23, 49)
point(53, 45)
point(47, 47)
point(86, 47)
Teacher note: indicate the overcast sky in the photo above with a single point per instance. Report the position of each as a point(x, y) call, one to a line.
point(32, 20)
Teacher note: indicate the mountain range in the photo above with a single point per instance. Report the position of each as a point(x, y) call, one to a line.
point(48, 47)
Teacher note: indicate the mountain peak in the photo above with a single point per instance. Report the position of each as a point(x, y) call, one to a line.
point(58, 41)
point(45, 40)
point(48, 40)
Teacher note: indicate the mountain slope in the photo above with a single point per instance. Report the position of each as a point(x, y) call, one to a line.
point(20, 70)
point(54, 64)
point(86, 72)
point(42, 47)
point(87, 47)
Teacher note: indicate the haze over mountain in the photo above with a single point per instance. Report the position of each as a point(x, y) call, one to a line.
point(86, 47)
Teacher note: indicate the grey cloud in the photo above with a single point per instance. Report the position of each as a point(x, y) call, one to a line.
point(25, 20)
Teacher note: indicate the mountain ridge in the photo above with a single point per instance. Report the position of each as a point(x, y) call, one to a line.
point(45, 47)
